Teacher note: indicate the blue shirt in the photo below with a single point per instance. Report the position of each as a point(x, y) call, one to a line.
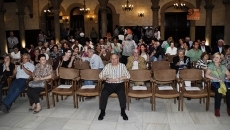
point(96, 62)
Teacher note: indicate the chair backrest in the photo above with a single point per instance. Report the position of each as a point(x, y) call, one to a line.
point(164, 75)
point(81, 65)
point(68, 73)
point(190, 74)
point(90, 74)
point(159, 65)
point(170, 58)
point(105, 62)
point(140, 75)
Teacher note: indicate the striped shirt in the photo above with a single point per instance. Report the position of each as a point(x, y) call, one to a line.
point(114, 72)
point(200, 63)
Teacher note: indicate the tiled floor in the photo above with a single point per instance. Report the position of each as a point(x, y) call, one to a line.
point(65, 117)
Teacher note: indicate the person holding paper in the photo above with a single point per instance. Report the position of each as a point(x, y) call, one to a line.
point(217, 73)
point(181, 61)
point(114, 74)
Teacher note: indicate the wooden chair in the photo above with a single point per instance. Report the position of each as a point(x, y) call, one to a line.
point(68, 74)
point(170, 58)
point(140, 76)
point(5, 89)
point(88, 74)
point(48, 88)
point(81, 65)
point(159, 65)
point(194, 75)
point(165, 77)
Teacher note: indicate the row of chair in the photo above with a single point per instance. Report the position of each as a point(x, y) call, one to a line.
point(153, 80)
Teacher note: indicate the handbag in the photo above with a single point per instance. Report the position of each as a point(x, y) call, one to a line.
point(36, 84)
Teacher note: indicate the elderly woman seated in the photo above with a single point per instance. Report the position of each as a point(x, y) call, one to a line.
point(219, 76)
point(42, 72)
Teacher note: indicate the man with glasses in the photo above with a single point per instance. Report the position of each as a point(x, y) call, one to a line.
point(22, 72)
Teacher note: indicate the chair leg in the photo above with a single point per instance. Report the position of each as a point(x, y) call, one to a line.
point(77, 100)
point(207, 103)
point(153, 103)
point(182, 103)
point(128, 102)
point(203, 100)
point(174, 100)
point(53, 100)
point(61, 97)
point(179, 103)
point(47, 101)
point(42, 97)
point(200, 100)
point(74, 102)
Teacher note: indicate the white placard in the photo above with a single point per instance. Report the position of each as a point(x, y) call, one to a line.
point(88, 86)
point(192, 88)
point(139, 88)
point(165, 88)
point(64, 86)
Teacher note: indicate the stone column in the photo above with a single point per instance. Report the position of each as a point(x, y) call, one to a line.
point(227, 22)
point(192, 30)
point(56, 25)
point(103, 21)
point(208, 23)
point(155, 9)
point(3, 42)
point(56, 10)
point(21, 4)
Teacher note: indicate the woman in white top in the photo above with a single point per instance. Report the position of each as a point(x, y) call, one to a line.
point(172, 50)
point(157, 33)
point(143, 52)
point(16, 54)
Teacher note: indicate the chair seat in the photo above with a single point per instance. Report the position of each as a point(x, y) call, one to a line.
point(5, 88)
point(113, 95)
point(167, 93)
point(163, 82)
point(140, 93)
point(87, 92)
point(62, 91)
point(195, 94)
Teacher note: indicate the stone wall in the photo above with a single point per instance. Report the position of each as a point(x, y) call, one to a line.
point(125, 19)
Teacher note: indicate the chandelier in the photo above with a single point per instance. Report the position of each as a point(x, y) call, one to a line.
point(84, 9)
point(48, 9)
point(127, 6)
point(179, 5)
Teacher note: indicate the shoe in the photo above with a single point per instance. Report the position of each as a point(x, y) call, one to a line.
point(217, 112)
point(4, 108)
point(101, 116)
point(35, 112)
point(228, 110)
point(31, 109)
point(125, 117)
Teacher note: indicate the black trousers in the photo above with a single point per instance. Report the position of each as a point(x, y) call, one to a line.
point(218, 98)
point(110, 88)
point(124, 59)
point(33, 94)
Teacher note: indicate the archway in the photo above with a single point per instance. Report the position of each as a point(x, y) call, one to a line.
point(77, 19)
point(167, 9)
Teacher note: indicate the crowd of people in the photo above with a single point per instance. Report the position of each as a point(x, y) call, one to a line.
point(132, 50)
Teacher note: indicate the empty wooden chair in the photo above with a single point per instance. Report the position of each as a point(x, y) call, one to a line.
point(88, 90)
point(81, 65)
point(195, 91)
point(67, 90)
point(140, 91)
point(165, 77)
point(159, 65)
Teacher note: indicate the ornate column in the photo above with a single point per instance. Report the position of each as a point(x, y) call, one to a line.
point(21, 4)
point(103, 9)
point(227, 22)
point(208, 23)
point(155, 9)
point(56, 10)
point(3, 42)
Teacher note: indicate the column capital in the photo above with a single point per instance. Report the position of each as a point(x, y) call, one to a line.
point(56, 11)
point(103, 9)
point(209, 7)
point(155, 8)
point(226, 2)
point(56, 4)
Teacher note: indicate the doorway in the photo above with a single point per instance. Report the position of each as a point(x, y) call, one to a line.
point(176, 25)
point(77, 19)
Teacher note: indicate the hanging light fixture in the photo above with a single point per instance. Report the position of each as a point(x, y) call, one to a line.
point(179, 5)
point(84, 9)
point(127, 6)
point(48, 9)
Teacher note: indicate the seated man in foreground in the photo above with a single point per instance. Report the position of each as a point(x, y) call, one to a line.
point(114, 74)
point(23, 72)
